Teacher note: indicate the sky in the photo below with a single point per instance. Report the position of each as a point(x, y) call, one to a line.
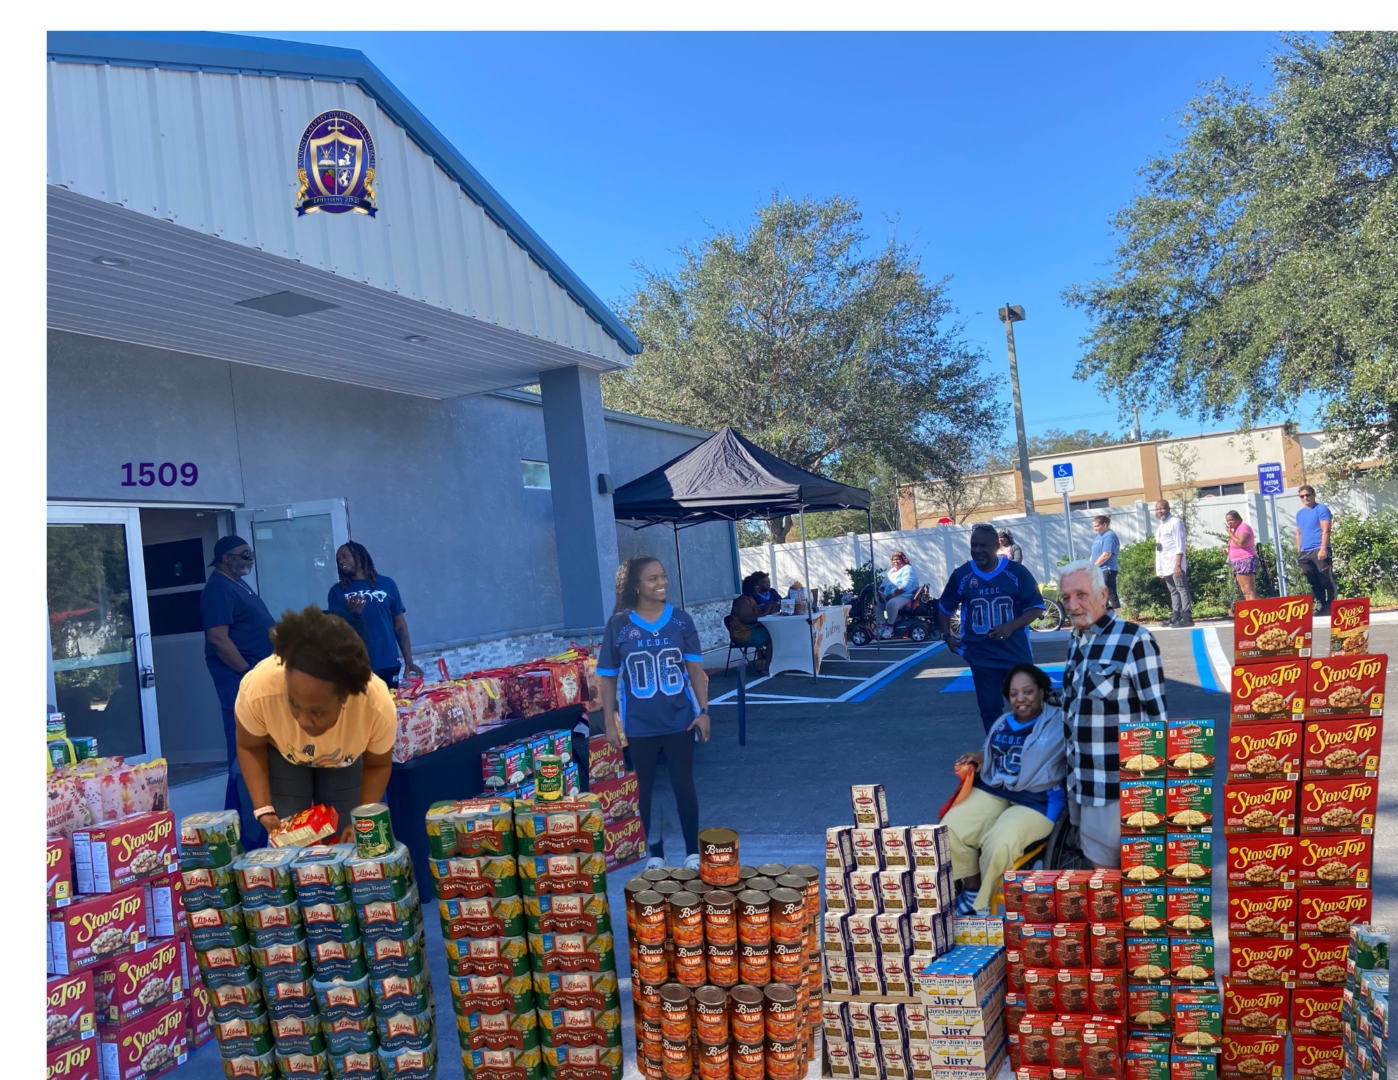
point(1001, 157)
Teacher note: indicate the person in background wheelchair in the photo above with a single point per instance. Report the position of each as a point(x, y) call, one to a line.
point(1018, 792)
point(898, 588)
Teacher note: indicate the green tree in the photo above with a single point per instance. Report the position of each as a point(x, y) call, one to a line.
point(830, 352)
point(1260, 262)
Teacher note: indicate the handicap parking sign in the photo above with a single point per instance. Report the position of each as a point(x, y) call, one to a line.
point(1063, 476)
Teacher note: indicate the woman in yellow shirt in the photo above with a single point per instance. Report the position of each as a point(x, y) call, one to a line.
point(330, 719)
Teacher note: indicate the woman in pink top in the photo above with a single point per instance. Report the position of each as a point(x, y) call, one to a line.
point(1242, 553)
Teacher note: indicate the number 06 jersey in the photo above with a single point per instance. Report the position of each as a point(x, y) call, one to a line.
point(653, 695)
point(988, 600)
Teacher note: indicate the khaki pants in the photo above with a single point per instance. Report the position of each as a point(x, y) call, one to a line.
point(988, 834)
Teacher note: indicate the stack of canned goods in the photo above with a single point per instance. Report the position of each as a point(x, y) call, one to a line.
point(725, 964)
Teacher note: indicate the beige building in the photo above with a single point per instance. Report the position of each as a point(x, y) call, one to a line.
point(1224, 463)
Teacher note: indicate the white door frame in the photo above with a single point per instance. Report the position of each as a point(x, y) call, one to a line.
point(246, 517)
point(130, 517)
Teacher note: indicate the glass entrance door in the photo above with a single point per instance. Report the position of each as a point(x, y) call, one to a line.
point(295, 544)
point(103, 675)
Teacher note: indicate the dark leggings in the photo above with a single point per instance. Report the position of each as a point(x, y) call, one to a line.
point(678, 748)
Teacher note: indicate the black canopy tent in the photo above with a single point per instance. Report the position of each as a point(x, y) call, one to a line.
point(728, 478)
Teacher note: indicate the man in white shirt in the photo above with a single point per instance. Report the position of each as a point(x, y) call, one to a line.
point(899, 585)
point(1170, 564)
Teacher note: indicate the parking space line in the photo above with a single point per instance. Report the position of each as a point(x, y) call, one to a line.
point(1202, 664)
point(1222, 669)
point(877, 682)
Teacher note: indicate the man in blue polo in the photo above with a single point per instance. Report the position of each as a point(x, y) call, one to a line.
point(998, 599)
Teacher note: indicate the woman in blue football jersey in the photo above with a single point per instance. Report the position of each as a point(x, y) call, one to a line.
point(655, 693)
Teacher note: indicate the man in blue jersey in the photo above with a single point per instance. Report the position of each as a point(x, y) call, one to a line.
point(998, 600)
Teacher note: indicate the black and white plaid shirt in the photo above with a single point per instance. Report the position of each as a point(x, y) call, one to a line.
point(1113, 677)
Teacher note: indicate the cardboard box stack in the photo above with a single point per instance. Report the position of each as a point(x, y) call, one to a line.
point(887, 924)
point(725, 966)
point(1173, 1008)
point(507, 770)
point(1297, 816)
point(522, 897)
point(1363, 1016)
point(620, 794)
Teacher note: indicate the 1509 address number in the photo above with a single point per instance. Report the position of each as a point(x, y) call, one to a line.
point(166, 474)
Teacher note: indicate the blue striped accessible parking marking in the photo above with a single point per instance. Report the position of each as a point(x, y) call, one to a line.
point(1207, 682)
point(862, 693)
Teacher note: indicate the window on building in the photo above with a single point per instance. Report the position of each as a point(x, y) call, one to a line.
point(1090, 504)
point(1214, 490)
point(536, 474)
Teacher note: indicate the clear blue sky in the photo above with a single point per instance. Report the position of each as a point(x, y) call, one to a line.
point(1002, 155)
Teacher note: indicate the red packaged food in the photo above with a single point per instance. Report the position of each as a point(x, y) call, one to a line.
point(1321, 961)
point(1315, 1058)
point(147, 1047)
point(1189, 858)
point(135, 985)
point(1192, 960)
point(620, 796)
point(604, 761)
point(1070, 893)
point(1268, 693)
point(1104, 896)
point(1014, 970)
point(1338, 807)
point(71, 1013)
point(94, 929)
point(1189, 911)
point(1143, 806)
point(307, 828)
point(1013, 880)
point(1070, 945)
point(1262, 862)
point(1329, 913)
point(1264, 913)
point(1106, 944)
point(198, 1016)
point(1147, 1057)
point(1272, 629)
point(1037, 896)
point(1349, 627)
point(1041, 989)
point(1036, 1039)
point(1012, 933)
point(1262, 962)
point(1254, 1010)
point(625, 842)
point(1340, 686)
point(1264, 808)
point(1065, 1042)
point(1148, 1007)
point(1334, 861)
point(75, 1061)
point(1036, 945)
point(1332, 749)
point(1074, 992)
point(1148, 960)
point(165, 913)
point(117, 855)
point(1143, 860)
point(1015, 1008)
point(60, 870)
point(1189, 748)
point(1264, 751)
point(1248, 1057)
point(1102, 1049)
point(1315, 1011)
point(1106, 989)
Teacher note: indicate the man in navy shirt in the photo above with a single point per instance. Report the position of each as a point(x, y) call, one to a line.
point(998, 600)
point(236, 636)
point(370, 602)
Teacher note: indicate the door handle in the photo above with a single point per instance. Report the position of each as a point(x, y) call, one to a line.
point(144, 669)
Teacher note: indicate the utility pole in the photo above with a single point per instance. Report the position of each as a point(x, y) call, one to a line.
point(1009, 315)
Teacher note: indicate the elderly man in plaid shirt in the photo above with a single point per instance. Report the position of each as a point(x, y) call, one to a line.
point(1113, 678)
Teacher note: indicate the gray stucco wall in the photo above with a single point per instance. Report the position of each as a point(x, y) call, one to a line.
point(433, 488)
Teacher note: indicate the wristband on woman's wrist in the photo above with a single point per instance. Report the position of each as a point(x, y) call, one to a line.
point(262, 811)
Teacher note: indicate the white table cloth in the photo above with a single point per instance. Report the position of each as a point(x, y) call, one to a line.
point(791, 640)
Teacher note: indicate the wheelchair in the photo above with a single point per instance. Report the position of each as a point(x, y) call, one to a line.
point(1060, 850)
point(917, 621)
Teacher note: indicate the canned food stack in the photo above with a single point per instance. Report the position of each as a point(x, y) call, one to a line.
point(512, 770)
point(1363, 1014)
point(887, 918)
point(725, 966)
point(620, 792)
point(1298, 810)
point(116, 955)
point(1066, 971)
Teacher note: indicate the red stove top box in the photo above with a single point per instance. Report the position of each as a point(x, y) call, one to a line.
point(1254, 1010)
point(1321, 961)
point(1340, 686)
point(1262, 913)
point(1315, 1011)
point(1264, 962)
point(147, 1047)
point(1341, 748)
point(1262, 862)
point(1333, 807)
point(1272, 629)
point(1264, 751)
point(95, 929)
point(70, 1009)
point(1335, 861)
point(1249, 1057)
point(75, 1061)
point(1329, 913)
point(1268, 693)
point(117, 855)
point(1316, 1058)
point(60, 866)
point(138, 984)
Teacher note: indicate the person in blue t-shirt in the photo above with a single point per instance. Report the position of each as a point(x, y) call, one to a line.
point(1106, 547)
point(237, 635)
point(655, 694)
point(1018, 792)
point(1313, 549)
point(370, 602)
point(998, 600)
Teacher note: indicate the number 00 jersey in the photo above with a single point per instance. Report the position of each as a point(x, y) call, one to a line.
point(653, 695)
point(988, 600)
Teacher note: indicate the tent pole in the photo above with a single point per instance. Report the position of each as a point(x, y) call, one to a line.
point(810, 596)
point(878, 641)
point(679, 563)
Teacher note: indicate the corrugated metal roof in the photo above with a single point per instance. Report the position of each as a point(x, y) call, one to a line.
point(201, 131)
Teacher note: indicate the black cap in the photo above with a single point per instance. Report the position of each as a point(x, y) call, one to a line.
point(225, 545)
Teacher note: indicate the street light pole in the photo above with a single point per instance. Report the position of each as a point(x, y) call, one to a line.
point(1009, 315)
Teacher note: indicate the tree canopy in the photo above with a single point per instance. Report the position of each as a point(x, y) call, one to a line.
point(1260, 262)
point(833, 354)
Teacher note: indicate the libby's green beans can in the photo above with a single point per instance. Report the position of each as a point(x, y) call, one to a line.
point(373, 832)
point(548, 777)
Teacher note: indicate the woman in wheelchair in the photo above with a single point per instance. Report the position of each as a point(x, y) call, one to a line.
point(1018, 791)
point(756, 600)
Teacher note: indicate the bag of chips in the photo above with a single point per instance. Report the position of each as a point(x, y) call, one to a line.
point(309, 827)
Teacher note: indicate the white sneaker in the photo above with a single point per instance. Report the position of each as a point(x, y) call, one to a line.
point(654, 863)
point(691, 862)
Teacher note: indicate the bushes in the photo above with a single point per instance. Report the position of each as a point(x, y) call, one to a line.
point(1366, 554)
point(1212, 585)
